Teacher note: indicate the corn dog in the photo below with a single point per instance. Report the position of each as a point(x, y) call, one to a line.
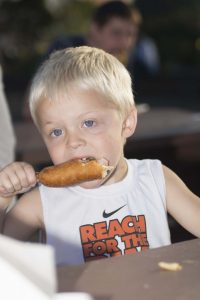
point(73, 172)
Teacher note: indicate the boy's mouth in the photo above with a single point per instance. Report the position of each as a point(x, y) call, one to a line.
point(86, 159)
point(101, 161)
point(105, 164)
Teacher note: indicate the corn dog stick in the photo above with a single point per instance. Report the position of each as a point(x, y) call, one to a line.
point(73, 172)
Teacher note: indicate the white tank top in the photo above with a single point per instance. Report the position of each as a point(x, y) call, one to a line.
point(126, 217)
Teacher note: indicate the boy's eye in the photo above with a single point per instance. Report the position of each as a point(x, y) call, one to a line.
point(89, 123)
point(56, 132)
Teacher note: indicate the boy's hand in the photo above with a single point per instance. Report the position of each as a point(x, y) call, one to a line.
point(16, 178)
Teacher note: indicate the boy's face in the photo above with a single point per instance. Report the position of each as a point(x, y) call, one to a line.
point(84, 125)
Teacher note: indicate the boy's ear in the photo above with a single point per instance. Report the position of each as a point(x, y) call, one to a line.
point(130, 123)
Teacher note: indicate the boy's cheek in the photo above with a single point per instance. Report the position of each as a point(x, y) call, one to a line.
point(56, 155)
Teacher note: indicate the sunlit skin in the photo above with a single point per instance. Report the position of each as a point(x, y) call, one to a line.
point(85, 124)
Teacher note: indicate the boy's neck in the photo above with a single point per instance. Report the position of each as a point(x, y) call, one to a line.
point(120, 172)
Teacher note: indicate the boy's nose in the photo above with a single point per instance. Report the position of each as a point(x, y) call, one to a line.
point(75, 140)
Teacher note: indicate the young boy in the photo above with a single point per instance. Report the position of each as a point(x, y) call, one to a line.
point(82, 103)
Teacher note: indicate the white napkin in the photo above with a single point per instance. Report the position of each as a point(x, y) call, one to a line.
point(27, 270)
point(73, 296)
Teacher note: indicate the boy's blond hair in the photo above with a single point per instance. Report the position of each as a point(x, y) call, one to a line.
point(84, 68)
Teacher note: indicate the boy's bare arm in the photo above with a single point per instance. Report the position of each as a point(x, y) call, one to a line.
point(4, 203)
point(182, 204)
point(26, 215)
point(25, 218)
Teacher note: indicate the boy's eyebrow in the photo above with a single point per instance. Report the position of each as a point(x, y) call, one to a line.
point(48, 123)
point(82, 114)
point(90, 112)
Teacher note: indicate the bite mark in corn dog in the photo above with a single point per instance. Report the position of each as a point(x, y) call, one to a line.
point(73, 172)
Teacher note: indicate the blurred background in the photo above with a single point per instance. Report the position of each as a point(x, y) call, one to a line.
point(27, 27)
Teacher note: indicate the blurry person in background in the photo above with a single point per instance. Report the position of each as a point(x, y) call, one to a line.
point(144, 58)
point(114, 28)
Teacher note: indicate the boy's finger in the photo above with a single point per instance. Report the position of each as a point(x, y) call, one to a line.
point(30, 175)
point(2, 189)
point(25, 174)
point(9, 188)
point(20, 179)
point(16, 182)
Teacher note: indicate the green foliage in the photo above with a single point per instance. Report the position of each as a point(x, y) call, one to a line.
point(27, 27)
point(21, 26)
point(72, 17)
